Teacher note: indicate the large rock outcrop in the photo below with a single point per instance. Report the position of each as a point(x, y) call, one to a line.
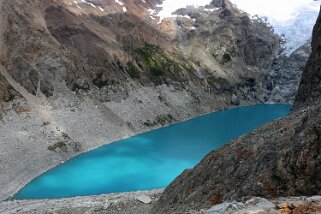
point(279, 159)
point(310, 86)
point(283, 78)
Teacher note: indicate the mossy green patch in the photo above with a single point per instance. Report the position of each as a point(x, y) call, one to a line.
point(227, 57)
point(99, 82)
point(9, 98)
point(217, 80)
point(160, 120)
point(133, 71)
point(153, 60)
point(157, 64)
point(59, 145)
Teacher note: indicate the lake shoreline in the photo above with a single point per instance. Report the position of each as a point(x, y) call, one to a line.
point(198, 128)
point(43, 162)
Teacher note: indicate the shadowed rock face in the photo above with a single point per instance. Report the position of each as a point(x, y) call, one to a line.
point(280, 159)
point(283, 80)
point(310, 86)
point(7, 93)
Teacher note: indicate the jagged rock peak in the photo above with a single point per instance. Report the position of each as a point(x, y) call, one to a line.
point(218, 3)
point(310, 87)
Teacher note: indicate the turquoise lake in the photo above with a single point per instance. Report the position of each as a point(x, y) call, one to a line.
point(150, 160)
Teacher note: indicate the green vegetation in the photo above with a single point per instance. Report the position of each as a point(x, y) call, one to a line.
point(215, 55)
point(157, 72)
point(154, 61)
point(133, 71)
point(160, 120)
point(99, 82)
point(9, 98)
point(45, 123)
point(217, 80)
point(63, 146)
point(151, 61)
point(218, 83)
point(147, 51)
point(76, 146)
point(65, 135)
point(60, 145)
point(227, 57)
point(77, 87)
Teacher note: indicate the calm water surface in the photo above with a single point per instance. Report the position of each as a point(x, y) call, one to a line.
point(150, 160)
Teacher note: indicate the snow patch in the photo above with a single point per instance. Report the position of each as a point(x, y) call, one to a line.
point(119, 2)
point(170, 6)
point(151, 11)
point(211, 9)
point(185, 16)
point(100, 8)
point(89, 3)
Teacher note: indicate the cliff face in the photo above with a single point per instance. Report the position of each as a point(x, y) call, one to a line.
point(280, 159)
point(310, 86)
point(283, 79)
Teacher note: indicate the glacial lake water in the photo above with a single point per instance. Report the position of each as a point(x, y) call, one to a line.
point(150, 160)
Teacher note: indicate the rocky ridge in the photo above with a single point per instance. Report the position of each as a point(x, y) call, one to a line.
point(310, 87)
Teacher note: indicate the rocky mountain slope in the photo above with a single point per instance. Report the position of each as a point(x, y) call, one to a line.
point(279, 159)
point(283, 79)
point(76, 75)
point(310, 87)
point(101, 50)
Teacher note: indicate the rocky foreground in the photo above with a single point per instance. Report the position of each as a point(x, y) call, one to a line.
point(122, 203)
point(142, 203)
